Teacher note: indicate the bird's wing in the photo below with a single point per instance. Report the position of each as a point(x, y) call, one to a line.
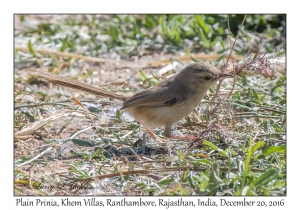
point(157, 96)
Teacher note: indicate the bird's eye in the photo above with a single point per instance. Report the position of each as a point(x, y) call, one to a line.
point(207, 78)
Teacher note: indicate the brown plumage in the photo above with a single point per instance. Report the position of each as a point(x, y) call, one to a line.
point(161, 105)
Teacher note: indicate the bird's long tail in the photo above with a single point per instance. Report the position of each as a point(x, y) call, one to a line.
point(59, 80)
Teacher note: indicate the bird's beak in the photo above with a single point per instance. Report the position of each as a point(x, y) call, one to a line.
point(223, 76)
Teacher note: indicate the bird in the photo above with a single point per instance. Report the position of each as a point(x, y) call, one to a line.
point(163, 104)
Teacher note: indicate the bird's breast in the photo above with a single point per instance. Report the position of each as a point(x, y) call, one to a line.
point(163, 115)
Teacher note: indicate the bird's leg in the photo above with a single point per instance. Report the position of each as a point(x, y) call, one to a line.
point(156, 138)
point(148, 129)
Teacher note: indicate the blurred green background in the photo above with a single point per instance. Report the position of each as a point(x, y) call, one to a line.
point(138, 35)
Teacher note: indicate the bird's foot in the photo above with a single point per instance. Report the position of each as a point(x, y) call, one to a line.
point(155, 137)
